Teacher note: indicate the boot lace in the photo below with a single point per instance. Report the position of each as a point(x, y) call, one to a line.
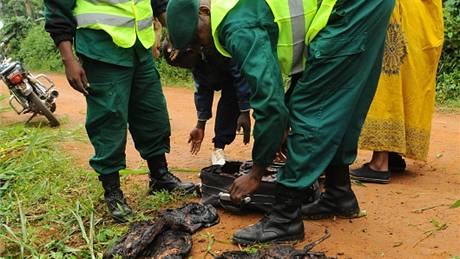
point(172, 177)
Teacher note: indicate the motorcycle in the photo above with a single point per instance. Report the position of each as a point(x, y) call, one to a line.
point(28, 93)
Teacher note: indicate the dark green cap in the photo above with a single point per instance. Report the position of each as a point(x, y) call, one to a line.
point(182, 20)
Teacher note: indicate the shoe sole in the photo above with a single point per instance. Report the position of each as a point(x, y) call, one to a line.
point(290, 239)
point(369, 180)
point(123, 220)
point(328, 216)
point(119, 220)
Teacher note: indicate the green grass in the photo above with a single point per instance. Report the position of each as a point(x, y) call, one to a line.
point(3, 109)
point(173, 76)
point(449, 106)
point(51, 208)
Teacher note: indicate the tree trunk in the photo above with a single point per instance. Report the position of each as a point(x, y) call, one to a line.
point(28, 8)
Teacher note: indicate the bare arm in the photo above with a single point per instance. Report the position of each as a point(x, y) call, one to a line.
point(74, 72)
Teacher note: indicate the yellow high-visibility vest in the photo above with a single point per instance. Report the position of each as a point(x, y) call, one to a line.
point(299, 21)
point(123, 20)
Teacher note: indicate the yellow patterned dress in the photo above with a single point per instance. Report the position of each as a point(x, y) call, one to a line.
point(399, 119)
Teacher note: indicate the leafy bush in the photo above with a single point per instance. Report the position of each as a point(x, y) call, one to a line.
point(448, 87)
point(18, 26)
point(171, 76)
point(38, 51)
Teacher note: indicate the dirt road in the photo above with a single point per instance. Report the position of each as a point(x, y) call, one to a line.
point(399, 217)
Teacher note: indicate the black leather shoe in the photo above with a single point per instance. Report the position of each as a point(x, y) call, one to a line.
point(283, 223)
point(113, 196)
point(162, 179)
point(117, 205)
point(166, 181)
point(337, 200)
point(396, 163)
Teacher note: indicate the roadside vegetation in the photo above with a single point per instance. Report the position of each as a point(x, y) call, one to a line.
point(448, 86)
point(51, 208)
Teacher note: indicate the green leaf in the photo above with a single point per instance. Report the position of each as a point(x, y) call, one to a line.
point(435, 223)
point(438, 225)
point(396, 244)
point(456, 204)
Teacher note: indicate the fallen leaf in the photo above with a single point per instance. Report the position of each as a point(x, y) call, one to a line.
point(438, 225)
point(396, 244)
point(362, 213)
point(435, 223)
point(456, 204)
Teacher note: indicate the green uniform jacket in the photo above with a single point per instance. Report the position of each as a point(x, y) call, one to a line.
point(250, 34)
point(328, 102)
point(124, 89)
point(94, 44)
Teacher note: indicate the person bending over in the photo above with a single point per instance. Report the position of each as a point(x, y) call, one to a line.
point(213, 72)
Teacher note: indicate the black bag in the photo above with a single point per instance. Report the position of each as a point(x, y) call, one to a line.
point(216, 180)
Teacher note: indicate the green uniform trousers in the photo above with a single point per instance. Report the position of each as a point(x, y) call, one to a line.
point(120, 96)
point(330, 101)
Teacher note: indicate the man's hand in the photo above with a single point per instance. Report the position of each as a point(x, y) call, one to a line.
point(246, 184)
point(244, 122)
point(75, 74)
point(196, 137)
point(156, 48)
point(281, 155)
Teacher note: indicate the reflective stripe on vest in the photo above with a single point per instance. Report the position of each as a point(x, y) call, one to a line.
point(123, 20)
point(299, 21)
point(109, 1)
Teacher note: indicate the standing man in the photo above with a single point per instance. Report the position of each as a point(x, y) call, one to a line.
point(212, 72)
point(338, 47)
point(116, 73)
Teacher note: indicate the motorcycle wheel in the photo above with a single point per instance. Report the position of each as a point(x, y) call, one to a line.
point(43, 109)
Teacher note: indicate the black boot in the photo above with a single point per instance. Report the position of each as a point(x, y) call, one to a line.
point(113, 196)
point(162, 179)
point(282, 223)
point(337, 200)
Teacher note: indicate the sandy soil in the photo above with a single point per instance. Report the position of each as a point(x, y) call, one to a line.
point(392, 229)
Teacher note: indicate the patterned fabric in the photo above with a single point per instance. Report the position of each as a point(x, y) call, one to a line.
point(395, 49)
point(399, 119)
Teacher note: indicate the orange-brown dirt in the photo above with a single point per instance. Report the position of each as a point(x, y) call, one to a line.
point(392, 229)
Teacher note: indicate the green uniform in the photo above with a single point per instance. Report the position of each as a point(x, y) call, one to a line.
point(328, 103)
point(124, 90)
